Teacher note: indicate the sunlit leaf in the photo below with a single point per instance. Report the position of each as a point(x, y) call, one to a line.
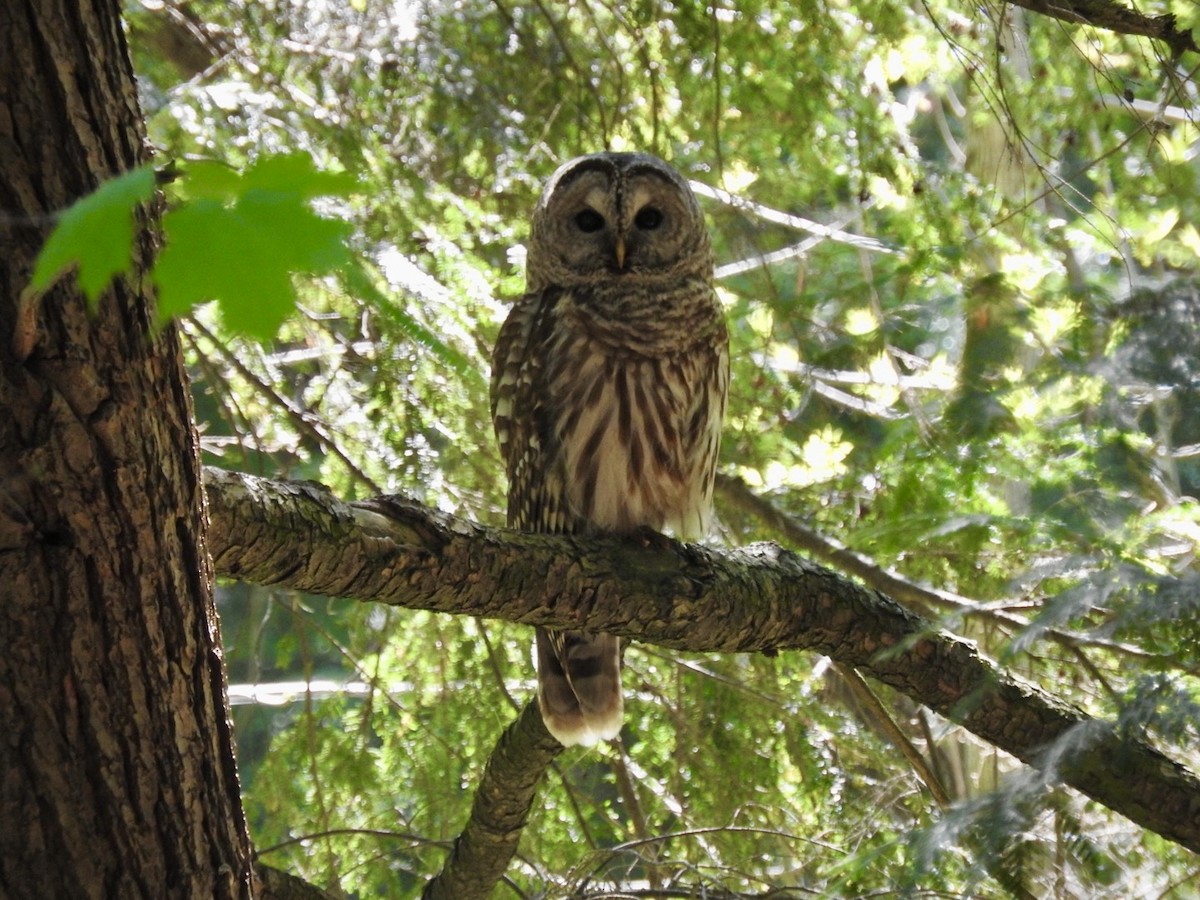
point(96, 234)
point(245, 253)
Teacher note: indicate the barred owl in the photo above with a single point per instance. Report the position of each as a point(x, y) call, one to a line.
point(608, 391)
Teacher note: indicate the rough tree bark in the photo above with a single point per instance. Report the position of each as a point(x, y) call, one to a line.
point(117, 776)
point(757, 598)
point(499, 812)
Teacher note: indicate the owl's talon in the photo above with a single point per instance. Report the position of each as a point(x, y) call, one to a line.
point(652, 539)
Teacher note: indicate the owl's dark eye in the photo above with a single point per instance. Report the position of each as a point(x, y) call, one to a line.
point(648, 218)
point(589, 221)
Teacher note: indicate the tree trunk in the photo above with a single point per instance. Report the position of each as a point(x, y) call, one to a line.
point(117, 776)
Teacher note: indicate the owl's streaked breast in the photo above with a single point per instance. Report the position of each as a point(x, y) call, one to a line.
point(637, 432)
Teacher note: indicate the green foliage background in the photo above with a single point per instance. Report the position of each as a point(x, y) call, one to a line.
point(999, 398)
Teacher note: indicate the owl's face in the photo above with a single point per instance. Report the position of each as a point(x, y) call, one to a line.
point(616, 216)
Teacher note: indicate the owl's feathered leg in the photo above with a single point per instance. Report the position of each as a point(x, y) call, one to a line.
point(579, 685)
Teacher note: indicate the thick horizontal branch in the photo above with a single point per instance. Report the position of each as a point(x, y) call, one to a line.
point(275, 884)
point(754, 599)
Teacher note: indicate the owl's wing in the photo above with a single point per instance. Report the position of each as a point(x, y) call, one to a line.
point(702, 434)
point(524, 421)
point(579, 673)
point(508, 361)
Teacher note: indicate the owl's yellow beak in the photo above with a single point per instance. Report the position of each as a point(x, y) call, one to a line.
point(619, 253)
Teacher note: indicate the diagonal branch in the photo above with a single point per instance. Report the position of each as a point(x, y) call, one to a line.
point(1117, 17)
point(503, 799)
point(924, 600)
point(686, 597)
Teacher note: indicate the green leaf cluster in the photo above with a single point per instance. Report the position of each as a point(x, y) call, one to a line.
point(239, 239)
point(96, 234)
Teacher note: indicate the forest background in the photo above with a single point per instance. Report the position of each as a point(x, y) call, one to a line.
point(957, 251)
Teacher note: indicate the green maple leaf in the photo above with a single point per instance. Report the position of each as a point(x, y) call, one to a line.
point(241, 241)
point(96, 234)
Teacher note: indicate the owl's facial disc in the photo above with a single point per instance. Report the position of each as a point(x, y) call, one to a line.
point(616, 215)
point(630, 230)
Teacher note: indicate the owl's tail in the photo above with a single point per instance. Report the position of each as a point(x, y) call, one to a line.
point(579, 685)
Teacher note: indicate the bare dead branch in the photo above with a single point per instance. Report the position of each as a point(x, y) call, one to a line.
point(925, 601)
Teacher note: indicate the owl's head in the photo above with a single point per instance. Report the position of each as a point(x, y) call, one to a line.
point(615, 217)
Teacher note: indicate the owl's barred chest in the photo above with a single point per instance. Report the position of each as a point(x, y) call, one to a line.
point(635, 432)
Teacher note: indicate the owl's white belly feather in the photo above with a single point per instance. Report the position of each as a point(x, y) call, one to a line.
point(636, 458)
